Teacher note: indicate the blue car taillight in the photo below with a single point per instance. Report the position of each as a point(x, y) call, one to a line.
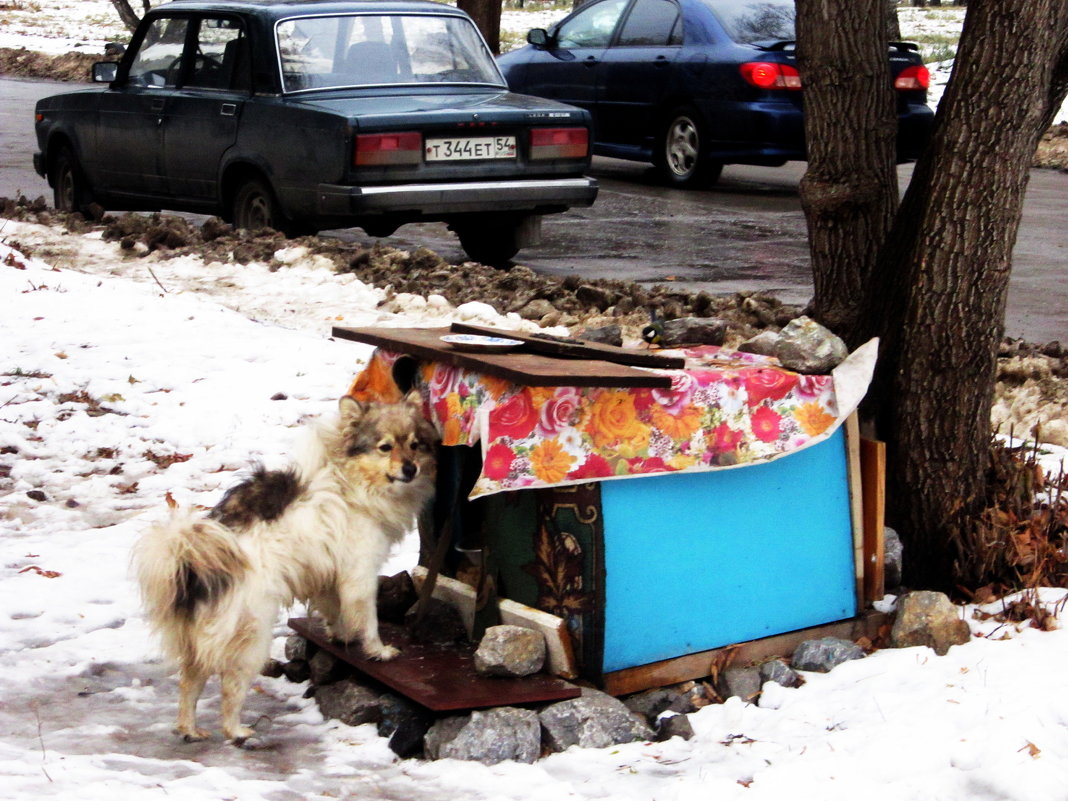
point(913, 78)
point(771, 75)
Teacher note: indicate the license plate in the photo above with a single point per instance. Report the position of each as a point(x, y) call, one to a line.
point(470, 148)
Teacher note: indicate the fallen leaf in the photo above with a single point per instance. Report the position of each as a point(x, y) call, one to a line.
point(40, 572)
point(171, 503)
point(1032, 749)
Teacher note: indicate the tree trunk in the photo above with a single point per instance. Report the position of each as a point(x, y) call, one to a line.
point(127, 14)
point(893, 24)
point(938, 298)
point(849, 192)
point(487, 16)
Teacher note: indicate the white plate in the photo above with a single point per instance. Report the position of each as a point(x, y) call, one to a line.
point(481, 344)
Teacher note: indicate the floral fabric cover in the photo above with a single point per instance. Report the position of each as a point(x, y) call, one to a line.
point(725, 409)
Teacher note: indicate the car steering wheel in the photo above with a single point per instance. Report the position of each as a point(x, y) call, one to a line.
point(201, 63)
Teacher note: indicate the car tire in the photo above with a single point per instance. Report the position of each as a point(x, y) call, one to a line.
point(682, 155)
point(491, 242)
point(255, 207)
point(71, 191)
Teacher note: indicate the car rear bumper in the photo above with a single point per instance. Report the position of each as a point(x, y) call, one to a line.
point(436, 200)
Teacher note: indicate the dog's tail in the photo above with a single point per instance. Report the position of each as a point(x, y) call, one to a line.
point(186, 565)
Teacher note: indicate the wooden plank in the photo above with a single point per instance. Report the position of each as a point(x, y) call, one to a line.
point(573, 348)
point(856, 502)
point(699, 665)
point(441, 678)
point(525, 369)
point(560, 654)
point(873, 472)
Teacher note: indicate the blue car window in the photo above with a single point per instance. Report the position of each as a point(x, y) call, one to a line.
point(750, 21)
point(158, 60)
point(651, 23)
point(592, 26)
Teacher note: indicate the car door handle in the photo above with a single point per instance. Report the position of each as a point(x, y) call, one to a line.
point(228, 109)
point(661, 61)
point(157, 105)
point(590, 61)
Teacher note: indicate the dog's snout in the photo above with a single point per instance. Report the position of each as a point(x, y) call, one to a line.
point(409, 470)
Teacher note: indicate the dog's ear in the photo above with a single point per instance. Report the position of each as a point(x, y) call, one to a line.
point(350, 408)
point(414, 398)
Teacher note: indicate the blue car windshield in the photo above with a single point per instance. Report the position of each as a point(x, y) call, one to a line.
point(329, 52)
point(752, 21)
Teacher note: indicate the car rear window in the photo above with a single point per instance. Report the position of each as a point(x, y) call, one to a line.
point(751, 21)
point(326, 52)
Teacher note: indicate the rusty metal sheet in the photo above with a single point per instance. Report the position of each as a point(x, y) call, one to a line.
point(440, 677)
point(519, 367)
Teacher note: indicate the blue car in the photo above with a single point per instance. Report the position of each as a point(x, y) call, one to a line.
point(691, 85)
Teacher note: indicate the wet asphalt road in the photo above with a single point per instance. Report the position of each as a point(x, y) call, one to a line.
point(746, 233)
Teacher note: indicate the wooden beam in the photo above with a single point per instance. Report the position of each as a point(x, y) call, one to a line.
point(754, 652)
point(873, 470)
point(560, 656)
point(856, 503)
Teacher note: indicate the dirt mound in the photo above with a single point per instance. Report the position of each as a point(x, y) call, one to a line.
point(23, 63)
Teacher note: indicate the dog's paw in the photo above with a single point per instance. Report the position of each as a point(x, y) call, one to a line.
point(243, 737)
point(192, 735)
point(382, 653)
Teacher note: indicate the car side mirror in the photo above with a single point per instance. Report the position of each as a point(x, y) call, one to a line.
point(539, 37)
point(105, 71)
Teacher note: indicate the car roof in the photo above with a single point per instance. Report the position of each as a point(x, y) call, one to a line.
point(287, 8)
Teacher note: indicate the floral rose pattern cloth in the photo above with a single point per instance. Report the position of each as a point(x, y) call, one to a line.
point(725, 409)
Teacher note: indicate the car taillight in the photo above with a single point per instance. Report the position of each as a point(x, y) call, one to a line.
point(915, 77)
point(375, 150)
point(559, 143)
point(771, 75)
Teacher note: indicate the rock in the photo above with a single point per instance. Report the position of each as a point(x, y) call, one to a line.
point(693, 331)
point(272, 669)
point(803, 345)
point(652, 703)
point(536, 309)
point(668, 726)
point(325, 668)
point(442, 623)
point(296, 670)
point(488, 737)
point(928, 618)
point(594, 720)
point(742, 683)
point(893, 558)
point(396, 594)
point(824, 654)
point(510, 651)
point(595, 296)
point(350, 702)
point(404, 723)
point(299, 648)
point(779, 672)
point(605, 335)
point(807, 347)
point(763, 344)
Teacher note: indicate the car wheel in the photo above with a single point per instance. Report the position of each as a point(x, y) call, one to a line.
point(255, 207)
point(70, 189)
point(682, 158)
point(491, 242)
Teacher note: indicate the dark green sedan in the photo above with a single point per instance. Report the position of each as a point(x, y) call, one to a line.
point(313, 115)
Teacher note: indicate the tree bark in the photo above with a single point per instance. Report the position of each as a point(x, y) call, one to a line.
point(849, 191)
point(487, 16)
point(127, 14)
point(938, 298)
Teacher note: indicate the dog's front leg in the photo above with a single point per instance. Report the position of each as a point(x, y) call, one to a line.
point(191, 683)
point(359, 620)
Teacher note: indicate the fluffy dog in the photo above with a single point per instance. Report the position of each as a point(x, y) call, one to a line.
point(318, 532)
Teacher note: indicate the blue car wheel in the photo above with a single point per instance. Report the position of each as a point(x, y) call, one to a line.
point(681, 157)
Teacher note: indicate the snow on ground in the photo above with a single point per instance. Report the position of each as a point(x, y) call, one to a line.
point(121, 383)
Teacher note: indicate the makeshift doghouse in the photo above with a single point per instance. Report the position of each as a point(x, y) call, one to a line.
point(662, 504)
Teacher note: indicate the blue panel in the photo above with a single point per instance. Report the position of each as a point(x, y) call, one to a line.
point(701, 560)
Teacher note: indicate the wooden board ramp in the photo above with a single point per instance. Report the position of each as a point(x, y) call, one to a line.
point(441, 678)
